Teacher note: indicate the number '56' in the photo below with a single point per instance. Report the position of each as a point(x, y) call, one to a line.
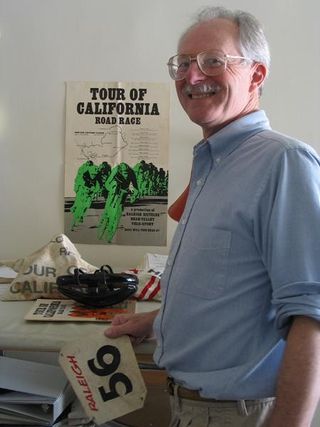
point(105, 369)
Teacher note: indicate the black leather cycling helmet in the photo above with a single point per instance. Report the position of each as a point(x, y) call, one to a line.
point(102, 288)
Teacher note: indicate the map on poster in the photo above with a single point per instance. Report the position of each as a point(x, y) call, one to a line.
point(116, 163)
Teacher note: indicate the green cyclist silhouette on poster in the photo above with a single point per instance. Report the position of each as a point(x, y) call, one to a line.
point(115, 187)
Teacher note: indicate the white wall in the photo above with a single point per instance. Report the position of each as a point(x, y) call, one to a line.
point(47, 42)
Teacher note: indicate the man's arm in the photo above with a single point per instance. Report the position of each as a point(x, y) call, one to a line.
point(298, 389)
point(137, 326)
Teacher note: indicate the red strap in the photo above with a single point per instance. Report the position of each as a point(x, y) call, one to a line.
point(175, 211)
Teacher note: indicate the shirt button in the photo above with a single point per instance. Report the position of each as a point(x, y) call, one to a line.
point(218, 160)
point(183, 220)
point(199, 182)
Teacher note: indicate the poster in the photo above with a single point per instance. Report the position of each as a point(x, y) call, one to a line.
point(116, 163)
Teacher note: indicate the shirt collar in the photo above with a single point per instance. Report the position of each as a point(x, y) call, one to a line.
point(230, 137)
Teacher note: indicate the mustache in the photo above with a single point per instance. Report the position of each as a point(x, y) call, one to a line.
point(201, 89)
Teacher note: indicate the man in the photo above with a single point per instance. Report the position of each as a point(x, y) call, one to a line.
point(239, 321)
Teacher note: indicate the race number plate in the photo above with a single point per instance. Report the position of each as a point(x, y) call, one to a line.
point(105, 376)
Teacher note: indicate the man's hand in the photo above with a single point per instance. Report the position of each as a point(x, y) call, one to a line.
point(137, 326)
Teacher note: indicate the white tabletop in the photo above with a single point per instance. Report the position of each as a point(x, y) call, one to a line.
point(19, 334)
point(22, 335)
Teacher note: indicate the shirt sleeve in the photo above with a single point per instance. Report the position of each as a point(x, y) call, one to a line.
point(288, 234)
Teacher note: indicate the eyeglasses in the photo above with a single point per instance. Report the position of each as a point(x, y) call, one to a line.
point(211, 63)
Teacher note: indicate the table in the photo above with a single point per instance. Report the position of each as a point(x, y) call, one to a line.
point(21, 335)
point(42, 341)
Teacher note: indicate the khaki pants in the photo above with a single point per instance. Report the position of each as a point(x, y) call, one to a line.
point(249, 413)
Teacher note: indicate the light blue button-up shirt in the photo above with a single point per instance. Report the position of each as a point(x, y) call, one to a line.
point(244, 259)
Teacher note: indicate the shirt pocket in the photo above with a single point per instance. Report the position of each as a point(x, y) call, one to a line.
point(203, 265)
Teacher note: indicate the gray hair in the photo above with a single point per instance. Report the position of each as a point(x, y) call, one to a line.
point(253, 42)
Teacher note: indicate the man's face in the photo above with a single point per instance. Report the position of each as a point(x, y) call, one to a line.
point(233, 92)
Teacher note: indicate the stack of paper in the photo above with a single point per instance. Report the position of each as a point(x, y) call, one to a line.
point(34, 394)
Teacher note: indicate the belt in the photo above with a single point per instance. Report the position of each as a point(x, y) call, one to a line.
point(186, 393)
